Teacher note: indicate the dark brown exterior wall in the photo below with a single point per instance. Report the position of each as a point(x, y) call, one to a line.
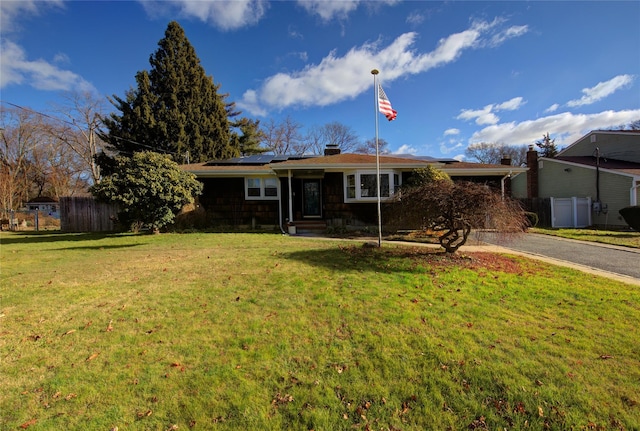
point(223, 200)
point(335, 208)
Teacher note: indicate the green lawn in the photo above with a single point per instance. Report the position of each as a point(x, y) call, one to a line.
point(624, 239)
point(269, 332)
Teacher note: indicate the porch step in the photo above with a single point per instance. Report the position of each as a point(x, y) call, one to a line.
point(310, 226)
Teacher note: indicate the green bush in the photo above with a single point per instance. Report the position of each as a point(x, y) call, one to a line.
point(632, 216)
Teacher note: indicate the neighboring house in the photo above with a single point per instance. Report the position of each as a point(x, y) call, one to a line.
point(44, 205)
point(588, 182)
point(313, 193)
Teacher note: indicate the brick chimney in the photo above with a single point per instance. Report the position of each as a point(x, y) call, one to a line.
point(532, 173)
point(505, 160)
point(331, 150)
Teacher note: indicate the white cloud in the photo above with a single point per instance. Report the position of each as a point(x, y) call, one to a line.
point(339, 9)
point(224, 14)
point(510, 105)
point(486, 115)
point(329, 9)
point(415, 18)
point(509, 33)
point(10, 11)
point(406, 149)
point(601, 90)
point(15, 68)
point(61, 58)
point(450, 146)
point(338, 78)
point(566, 127)
point(552, 108)
point(451, 132)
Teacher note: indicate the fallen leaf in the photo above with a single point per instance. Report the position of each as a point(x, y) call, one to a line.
point(70, 331)
point(540, 412)
point(28, 423)
point(606, 357)
point(109, 326)
point(92, 357)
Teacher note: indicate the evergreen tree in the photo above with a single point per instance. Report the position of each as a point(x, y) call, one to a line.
point(251, 136)
point(547, 146)
point(175, 108)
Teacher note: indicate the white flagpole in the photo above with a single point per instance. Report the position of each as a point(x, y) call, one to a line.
point(375, 72)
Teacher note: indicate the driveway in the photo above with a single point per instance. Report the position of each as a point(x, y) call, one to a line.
point(610, 261)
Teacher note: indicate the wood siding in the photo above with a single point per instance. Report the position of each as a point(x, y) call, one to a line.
point(580, 182)
point(612, 146)
point(224, 203)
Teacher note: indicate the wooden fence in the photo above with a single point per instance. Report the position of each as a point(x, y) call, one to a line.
point(540, 206)
point(86, 214)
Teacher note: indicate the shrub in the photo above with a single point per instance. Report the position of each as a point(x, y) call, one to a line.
point(532, 218)
point(150, 189)
point(631, 215)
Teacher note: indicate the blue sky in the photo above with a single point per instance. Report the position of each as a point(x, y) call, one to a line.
point(456, 72)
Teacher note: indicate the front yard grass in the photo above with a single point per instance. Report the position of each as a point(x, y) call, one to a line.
point(268, 332)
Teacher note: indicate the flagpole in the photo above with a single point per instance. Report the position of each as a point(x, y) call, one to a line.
point(375, 72)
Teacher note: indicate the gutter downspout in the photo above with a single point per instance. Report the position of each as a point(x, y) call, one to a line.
point(502, 182)
point(290, 197)
point(282, 231)
point(633, 201)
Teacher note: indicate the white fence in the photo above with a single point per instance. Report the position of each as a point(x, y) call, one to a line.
point(570, 212)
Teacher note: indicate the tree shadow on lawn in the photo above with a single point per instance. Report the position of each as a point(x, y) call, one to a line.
point(385, 259)
point(48, 236)
point(97, 247)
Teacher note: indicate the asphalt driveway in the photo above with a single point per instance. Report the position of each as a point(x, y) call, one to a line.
point(600, 257)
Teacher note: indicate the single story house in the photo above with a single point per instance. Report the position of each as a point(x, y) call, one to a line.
point(45, 205)
point(589, 181)
point(314, 193)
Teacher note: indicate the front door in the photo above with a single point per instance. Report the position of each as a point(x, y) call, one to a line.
point(311, 198)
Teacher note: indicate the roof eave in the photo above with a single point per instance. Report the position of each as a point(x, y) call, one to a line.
point(485, 172)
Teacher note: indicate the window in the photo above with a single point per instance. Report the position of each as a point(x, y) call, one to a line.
point(271, 187)
point(362, 186)
point(253, 187)
point(257, 188)
point(351, 186)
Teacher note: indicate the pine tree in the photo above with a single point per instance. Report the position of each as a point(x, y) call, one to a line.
point(547, 146)
point(175, 108)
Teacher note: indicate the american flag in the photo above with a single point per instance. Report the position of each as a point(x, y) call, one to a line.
point(384, 105)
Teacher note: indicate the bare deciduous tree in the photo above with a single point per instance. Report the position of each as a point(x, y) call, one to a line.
point(35, 161)
point(369, 146)
point(283, 138)
point(21, 131)
point(335, 133)
point(493, 153)
point(83, 113)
